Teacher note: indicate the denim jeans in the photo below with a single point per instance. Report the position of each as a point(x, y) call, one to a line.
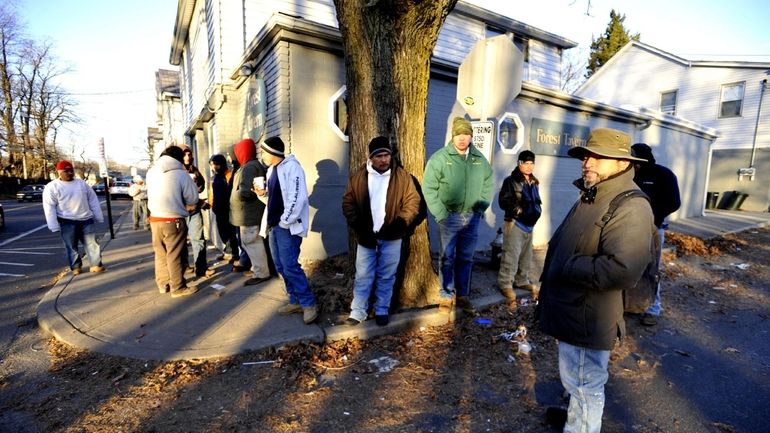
point(655, 308)
point(74, 233)
point(458, 232)
point(517, 257)
point(284, 248)
point(375, 267)
point(198, 243)
point(583, 373)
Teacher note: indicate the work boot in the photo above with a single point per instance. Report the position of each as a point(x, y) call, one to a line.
point(256, 280)
point(509, 294)
point(351, 321)
point(309, 314)
point(289, 309)
point(381, 320)
point(466, 306)
point(96, 269)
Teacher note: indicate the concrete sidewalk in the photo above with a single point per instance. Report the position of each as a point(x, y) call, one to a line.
point(120, 312)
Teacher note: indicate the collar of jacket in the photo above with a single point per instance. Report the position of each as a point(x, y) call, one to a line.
point(472, 151)
point(518, 176)
point(588, 195)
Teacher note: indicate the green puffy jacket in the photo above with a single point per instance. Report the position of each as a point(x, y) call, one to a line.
point(454, 183)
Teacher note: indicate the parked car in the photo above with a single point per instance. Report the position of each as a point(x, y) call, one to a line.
point(119, 189)
point(99, 188)
point(30, 193)
point(2, 217)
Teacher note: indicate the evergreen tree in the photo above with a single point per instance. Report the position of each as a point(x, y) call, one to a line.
point(603, 48)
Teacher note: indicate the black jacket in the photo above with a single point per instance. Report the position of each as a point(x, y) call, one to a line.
point(520, 200)
point(661, 186)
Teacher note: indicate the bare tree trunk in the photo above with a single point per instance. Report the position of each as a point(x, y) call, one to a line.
point(388, 45)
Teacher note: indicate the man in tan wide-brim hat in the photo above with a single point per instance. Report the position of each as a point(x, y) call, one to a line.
point(591, 260)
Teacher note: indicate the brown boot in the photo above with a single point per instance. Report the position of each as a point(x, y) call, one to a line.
point(509, 294)
point(466, 306)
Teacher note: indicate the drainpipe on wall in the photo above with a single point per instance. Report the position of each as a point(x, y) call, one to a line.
point(708, 176)
point(763, 85)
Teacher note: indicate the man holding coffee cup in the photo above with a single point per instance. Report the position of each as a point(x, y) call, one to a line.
point(246, 209)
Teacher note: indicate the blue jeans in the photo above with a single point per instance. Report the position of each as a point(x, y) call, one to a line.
point(198, 243)
point(655, 308)
point(583, 373)
point(284, 247)
point(375, 267)
point(458, 232)
point(74, 233)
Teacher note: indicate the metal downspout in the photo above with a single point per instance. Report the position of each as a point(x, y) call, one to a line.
point(763, 85)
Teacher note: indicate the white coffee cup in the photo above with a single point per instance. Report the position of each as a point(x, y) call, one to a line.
point(259, 182)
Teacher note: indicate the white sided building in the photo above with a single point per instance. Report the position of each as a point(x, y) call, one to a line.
point(729, 97)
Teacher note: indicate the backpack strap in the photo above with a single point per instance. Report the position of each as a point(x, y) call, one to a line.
point(616, 202)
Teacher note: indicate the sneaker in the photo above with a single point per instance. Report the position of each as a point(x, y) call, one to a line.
point(381, 320)
point(510, 296)
point(96, 269)
point(466, 305)
point(351, 321)
point(445, 305)
point(289, 309)
point(184, 291)
point(255, 281)
point(309, 314)
point(238, 268)
point(77, 271)
point(649, 319)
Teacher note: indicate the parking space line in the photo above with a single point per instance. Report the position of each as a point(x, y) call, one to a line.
point(23, 234)
point(16, 264)
point(11, 275)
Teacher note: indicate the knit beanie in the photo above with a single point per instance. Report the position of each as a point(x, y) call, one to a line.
point(274, 146)
point(245, 150)
point(461, 126)
point(526, 155)
point(379, 145)
point(642, 150)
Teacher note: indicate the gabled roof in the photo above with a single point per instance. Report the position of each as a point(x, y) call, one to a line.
point(673, 59)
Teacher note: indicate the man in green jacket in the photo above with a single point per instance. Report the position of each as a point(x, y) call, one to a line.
point(457, 186)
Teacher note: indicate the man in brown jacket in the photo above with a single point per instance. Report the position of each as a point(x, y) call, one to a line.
point(380, 203)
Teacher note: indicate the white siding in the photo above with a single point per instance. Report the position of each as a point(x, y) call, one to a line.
point(257, 12)
point(544, 64)
point(638, 77)
point(457, 37)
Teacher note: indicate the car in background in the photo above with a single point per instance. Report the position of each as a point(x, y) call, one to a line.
point(98, 188)
point(30, 193)
point(119, 189)
point(2, 217)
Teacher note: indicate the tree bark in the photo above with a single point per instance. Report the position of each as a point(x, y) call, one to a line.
point(388, 45)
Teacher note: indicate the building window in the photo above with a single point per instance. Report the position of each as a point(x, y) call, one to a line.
point(510, 133)
point(338, 112)
point(731, 100)
point(668, 102)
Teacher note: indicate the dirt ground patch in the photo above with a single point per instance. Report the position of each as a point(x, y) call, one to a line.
point(461, 377)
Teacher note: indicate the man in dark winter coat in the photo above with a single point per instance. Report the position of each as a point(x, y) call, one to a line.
point(380, 204)
point(520, 199)
point(219, 200)
point(586, 269)
point(661, 186)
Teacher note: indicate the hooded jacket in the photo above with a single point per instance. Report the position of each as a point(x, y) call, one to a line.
point(219, 192)
point(587, 267)
point(659, 183)
point(245, 207)
point(402, 205)
point(169, 189)
point(296, 209)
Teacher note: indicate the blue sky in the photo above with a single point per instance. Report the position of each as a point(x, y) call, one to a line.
point(114, 48)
